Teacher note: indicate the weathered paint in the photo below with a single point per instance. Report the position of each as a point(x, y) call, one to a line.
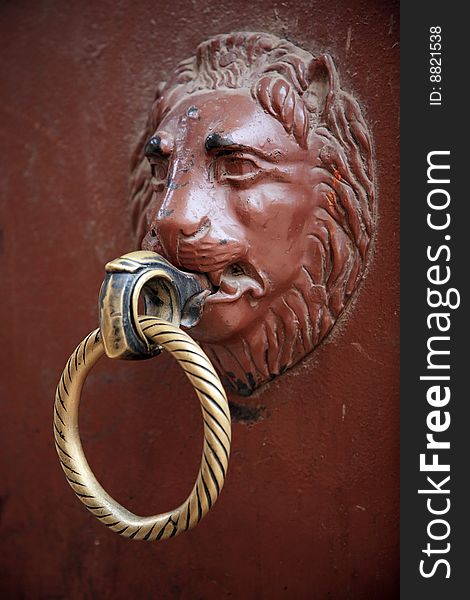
point(310, 506)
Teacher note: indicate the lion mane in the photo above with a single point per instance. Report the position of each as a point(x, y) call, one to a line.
point(303, 93)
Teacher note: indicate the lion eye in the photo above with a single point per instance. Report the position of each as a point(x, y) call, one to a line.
point(159, 168)
point(236, 169)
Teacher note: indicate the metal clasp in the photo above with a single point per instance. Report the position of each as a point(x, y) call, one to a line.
point(167, 292)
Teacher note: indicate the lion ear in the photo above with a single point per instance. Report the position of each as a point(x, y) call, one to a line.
point(323, 83)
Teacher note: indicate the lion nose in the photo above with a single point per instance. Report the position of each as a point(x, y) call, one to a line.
point(175, 225)
point(179, 221)
point(194, 228)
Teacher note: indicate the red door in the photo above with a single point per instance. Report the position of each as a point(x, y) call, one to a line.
point(310, 505)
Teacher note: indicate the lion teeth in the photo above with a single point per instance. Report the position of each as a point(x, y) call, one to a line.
point(234, 280)
point(215, 277)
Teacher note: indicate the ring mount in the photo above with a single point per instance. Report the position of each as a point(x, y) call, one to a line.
point(168, 293)
point(216, 447)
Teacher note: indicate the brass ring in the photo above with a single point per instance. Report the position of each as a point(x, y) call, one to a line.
point(217, 436)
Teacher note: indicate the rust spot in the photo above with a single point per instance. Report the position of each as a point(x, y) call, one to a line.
point(337, 175)
point(247, 414)
point(331, 199)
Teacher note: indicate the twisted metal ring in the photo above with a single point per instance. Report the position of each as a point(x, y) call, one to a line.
point(217, 436)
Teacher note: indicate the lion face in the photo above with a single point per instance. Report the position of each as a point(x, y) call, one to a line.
point(262, 179)
point(234, 199)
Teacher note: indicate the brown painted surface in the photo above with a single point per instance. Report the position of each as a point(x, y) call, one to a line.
point(310, 506)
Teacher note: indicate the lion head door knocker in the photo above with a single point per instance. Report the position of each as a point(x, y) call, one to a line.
point(254, 204)
point(261, 179)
